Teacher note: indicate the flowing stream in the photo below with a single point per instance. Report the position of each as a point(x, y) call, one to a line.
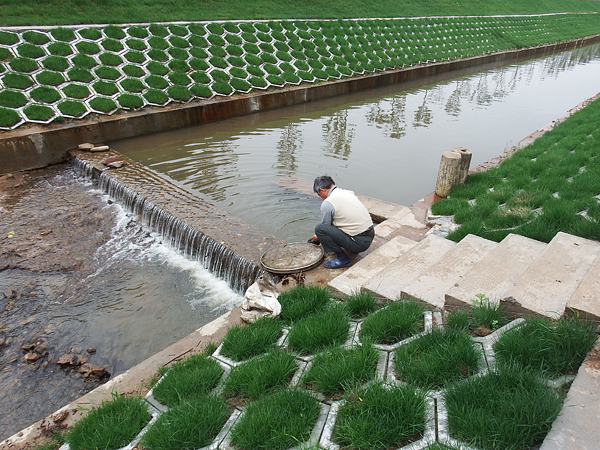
point(385, 143)
point(81, 273)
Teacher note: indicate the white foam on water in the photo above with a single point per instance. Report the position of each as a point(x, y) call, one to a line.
point(132, 241)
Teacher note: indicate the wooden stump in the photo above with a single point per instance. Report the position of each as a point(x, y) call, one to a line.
point(449, 173)
point(465, 162)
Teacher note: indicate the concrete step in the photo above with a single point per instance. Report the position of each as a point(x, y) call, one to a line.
point(390, 281)
point(548, 283)
point(494, 274)
point(433, 283)
point(585, 301)
point(358, 274)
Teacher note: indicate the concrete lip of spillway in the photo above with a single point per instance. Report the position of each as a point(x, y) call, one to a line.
point(291, 258)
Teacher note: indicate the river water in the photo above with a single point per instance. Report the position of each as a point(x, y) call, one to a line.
point(78, 272)
point(385, 143)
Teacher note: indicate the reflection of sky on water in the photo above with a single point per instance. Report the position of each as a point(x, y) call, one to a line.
point(385, 143)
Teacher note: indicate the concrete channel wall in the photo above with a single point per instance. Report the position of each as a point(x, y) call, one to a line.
point(35, 147)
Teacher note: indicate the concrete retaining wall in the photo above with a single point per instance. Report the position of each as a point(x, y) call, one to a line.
point(34, 147)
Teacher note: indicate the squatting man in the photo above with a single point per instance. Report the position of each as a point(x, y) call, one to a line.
point(345, 223)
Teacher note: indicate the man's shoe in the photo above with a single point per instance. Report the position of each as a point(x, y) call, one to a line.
point(336, 264)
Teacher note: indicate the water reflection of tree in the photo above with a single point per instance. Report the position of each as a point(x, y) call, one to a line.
point(422, 114)
point(393, 119)
point(290, 141)
point(338, 135)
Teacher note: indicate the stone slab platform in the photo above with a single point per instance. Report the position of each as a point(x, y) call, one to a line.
point(585, 301)
point(431, 286)
point(546, 285)
point(356, 276)
point(496, 272)
point(390, 282)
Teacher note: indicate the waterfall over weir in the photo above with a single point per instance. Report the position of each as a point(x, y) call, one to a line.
point(237, 270)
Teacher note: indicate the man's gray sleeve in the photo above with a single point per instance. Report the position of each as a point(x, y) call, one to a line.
point(327, 211)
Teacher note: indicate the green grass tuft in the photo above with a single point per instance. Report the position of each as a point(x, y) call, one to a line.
point(179, 93)
point(436, 359)
point(261, 375)
point(105, 88)
point(80, 74)
point(190, 425)
point(45, 94)
point(103, 104)
point(360, 304)
point(38, 112)
point(17, 81)
point(24, 65)
point(277, 421)
point(9, 117)
point(187, 379)
point(76, 91)
point(63, 34)
point(243, 342)
point(302, 300)
point(551, 349)
point(132, 85)
point(323, 329)
point(156, 97)
point(130, 101)
point(111, 425)
point(84, 61)
point(503, 409)
point(35, 37)
point(72, 108)
point(398, 321)
point(380, 417)
point(12, 99)
point(342, 369)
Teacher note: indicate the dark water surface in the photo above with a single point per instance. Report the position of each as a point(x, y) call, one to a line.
point(385, 143)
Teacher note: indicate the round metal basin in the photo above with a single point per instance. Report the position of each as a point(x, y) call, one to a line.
point(291, 258)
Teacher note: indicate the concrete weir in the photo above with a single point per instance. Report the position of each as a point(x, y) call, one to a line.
point(34, 147)
point(224, 244)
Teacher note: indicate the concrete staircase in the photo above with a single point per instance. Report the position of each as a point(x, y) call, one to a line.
point(527, 276)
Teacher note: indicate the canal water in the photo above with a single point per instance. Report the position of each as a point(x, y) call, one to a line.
point(385, 143)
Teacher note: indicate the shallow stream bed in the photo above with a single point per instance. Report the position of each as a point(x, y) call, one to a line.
point(78, 273)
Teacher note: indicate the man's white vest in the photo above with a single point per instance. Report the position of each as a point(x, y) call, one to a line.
point(350, 214)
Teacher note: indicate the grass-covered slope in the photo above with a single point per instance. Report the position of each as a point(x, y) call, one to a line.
point(50, 75)
point(34, 12)
point(550, 186)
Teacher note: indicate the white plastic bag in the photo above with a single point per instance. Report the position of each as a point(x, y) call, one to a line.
point(260, 299)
